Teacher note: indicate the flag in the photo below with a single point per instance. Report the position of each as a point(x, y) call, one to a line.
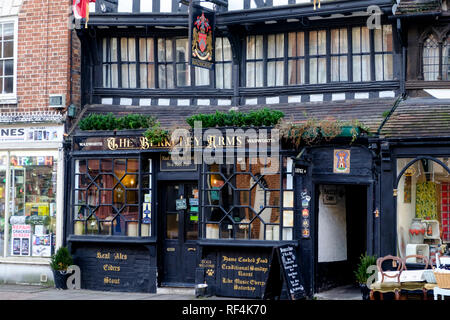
point(81, 9)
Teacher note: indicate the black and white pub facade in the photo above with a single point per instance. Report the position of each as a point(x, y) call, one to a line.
point(136, 221)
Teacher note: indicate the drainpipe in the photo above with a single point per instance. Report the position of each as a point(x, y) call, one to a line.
point(394, 107)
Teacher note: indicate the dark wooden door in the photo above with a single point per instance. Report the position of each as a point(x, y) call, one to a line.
point(180, 210)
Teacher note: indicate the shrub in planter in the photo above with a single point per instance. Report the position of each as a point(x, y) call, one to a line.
point(361, 274)
point(59, 263)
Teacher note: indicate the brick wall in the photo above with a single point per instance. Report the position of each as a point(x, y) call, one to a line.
point(43, 55)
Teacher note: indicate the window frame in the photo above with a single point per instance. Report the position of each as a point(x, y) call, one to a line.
point(157, 63)
point(443, 43)
point(307, 56)
point(12, 97)
point(140, 189)
point(284, 174)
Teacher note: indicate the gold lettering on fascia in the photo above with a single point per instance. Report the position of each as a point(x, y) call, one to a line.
point(246, 267)
point(108, 280)
point(143, 143)
point(116, 256)
point(109, 267)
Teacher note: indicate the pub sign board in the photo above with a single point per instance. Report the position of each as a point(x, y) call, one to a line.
point(241, 273)
point(201, 36)
point(120, 268)
point(284, 267)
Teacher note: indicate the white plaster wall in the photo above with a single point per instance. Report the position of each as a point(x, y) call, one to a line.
point(333, 229)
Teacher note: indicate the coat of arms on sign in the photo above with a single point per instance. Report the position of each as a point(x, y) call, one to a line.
point(341, 162)
point(202, 39)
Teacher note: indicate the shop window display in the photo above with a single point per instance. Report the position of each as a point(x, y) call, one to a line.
point(3, 159)
point(244, 201)
point(30, 224)
point(422, 207)
point(106, 197)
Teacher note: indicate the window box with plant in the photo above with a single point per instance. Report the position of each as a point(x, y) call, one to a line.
point(313, 131)
point(59, 263)
point(154, 133)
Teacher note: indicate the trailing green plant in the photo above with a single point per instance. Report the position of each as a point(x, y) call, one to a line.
point(312, 130)
point(61, 259)
point(365, 261)
point(108, 121)
point(156, 135)
point(257, 118)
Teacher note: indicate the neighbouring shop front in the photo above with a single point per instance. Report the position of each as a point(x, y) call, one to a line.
point(31, 200)
point(138, 221)
point(416, 184)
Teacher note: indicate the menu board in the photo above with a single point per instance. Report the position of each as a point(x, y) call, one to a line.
point(284, 268)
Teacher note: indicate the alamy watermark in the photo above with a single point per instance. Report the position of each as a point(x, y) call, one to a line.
point(212, 145)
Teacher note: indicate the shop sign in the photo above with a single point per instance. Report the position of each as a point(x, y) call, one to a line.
point(31, 161)
point(31, 134)
point(166, 164)
point(201, 36)
point(21, 237)
point(305, 227)
point(181, 204)
point(341, 162)
point(242, 275)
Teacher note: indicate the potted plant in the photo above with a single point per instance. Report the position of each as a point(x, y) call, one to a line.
point(59, 263)
point(361, 274)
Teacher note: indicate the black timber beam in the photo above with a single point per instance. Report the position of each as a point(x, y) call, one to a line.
point(241, 16)
point(301, 10)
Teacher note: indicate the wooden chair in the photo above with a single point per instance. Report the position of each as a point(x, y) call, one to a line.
point(385, 287)
point(417, 286)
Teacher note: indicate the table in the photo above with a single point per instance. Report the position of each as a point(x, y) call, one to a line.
point(439, 291)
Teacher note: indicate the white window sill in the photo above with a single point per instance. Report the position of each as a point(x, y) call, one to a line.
point(26, 260)
point(8, 99)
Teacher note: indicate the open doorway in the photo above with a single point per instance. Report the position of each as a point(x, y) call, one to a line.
point(342, 233)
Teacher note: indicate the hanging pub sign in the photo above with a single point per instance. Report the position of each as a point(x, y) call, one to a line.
point(201, 36)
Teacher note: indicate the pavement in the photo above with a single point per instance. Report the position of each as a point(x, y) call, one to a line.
point(340, 293)
point(29, 292)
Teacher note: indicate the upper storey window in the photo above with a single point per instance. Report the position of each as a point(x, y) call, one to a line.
point(7, 58)
point(161, 63)
point(320, 56)
point(435, 58)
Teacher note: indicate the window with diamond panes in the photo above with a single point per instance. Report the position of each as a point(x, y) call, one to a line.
point(244, 201)
point(106, 196)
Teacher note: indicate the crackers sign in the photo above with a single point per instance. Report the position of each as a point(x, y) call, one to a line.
point(201, 36)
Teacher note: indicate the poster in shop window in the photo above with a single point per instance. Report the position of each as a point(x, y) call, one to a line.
point(42, 245)
point(20, 239)
point(201, 36)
